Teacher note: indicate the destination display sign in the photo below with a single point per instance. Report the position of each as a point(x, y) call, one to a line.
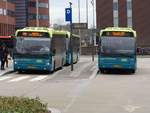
point(33, 34)
point(118, 33)
point(80, 26)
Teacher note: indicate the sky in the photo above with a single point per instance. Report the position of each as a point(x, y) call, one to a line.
point(57, 11)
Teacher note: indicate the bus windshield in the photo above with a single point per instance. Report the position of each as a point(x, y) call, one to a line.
point(32, 46)
point(118, 46)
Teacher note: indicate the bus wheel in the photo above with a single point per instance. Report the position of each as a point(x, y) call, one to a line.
point(102, 70)
point(54, 68)
point(19, 71)
point(132, 71)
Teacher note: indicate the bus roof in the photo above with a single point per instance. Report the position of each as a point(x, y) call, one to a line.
point(31, 29)
point(41, 29)
point(59, 32)
point(44, 29)
point(125, 29)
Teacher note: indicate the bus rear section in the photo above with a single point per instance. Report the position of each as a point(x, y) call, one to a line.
point(75, 48)
point(117, 50)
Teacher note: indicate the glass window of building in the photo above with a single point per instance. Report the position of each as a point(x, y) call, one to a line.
point(32, 4)
point(12, 1)
point(1, 11)
point(115, 13)
point(32, 16)
point(5, 12)
point(129, 4)
point(41, 17)
point(43, 5)
point(130, 22)
point(129, 13)
point(115, 6)
point(10, 13)
point(40, 5)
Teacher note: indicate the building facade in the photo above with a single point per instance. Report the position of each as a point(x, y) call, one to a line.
point(21, 13)
point(126, 13)
point(7, 17)
point(16, 14)
point(32, 13)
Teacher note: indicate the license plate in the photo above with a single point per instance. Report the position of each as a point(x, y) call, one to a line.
point(39, 61)
point(31, 67)
point(124, 60)
point(117, 66)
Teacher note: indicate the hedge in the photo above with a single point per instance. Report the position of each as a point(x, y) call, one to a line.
point(22, 105)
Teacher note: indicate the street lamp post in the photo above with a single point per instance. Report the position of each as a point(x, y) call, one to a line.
point(87, 10)
point(68, 16)
point(92, 2)
point(79, 10)
point(71, 38)
point(79, 21)
point(7, 31)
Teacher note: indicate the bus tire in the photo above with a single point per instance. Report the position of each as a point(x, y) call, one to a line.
point(19, 71)
point(132, 71)
point(102, 70)
point(15, 70)
point(54, 66)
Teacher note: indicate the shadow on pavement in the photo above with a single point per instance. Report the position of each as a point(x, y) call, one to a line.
point(116, 72)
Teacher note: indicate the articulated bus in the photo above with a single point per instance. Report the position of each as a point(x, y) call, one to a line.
point(44, 49)
point(75, 48)
point(39, 48)
point(117, 49)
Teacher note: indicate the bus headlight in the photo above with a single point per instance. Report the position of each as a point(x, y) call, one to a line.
point(15, 62)
point(47, 64)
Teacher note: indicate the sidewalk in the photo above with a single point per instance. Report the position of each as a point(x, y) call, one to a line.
point(7, 70)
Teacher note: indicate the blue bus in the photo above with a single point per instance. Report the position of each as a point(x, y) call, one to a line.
point(117, 49)
point(39, 48)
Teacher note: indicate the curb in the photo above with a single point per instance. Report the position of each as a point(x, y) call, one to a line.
point(53, 110)
point(6, 72)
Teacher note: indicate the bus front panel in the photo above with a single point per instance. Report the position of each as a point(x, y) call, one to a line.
point(117, 53)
